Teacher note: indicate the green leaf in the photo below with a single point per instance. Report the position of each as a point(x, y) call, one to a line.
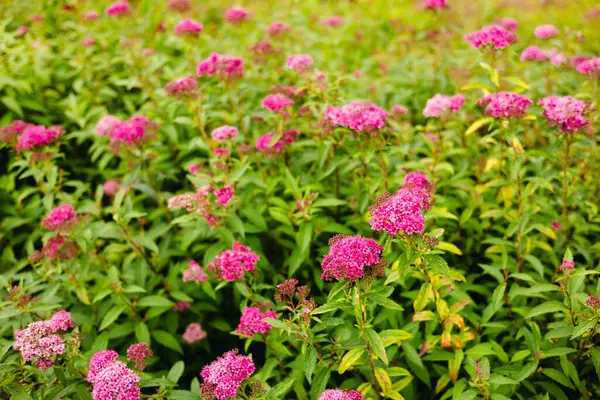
point(595, 353)
point(142, 333)
point(292, 184)
point(502, 380)
point(304, 236)
point(146, 242)
point(377, 345)
point(329, 203)
point(310, 363)
point(558, 351)
point(416, 364)
point(167, 340)
point(176, 371)
point(526, 371)
point(558, 376)
point(319, 382)
point(278, 391)
point(349, 359)
point(583, 328)
point(383, 301)
point(155, 301)
point(111, 316)
point(546, 308)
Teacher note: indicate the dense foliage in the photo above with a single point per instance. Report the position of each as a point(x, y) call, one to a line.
point(299, 199)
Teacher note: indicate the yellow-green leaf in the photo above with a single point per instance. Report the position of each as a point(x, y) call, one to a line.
point(349, 359)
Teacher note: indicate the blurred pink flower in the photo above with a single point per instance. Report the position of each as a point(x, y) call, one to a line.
point(182, 87)
point(224, 132)
point(106, 124)
point(545, 31)
point(333, 21)
point(358, 116)
point(277, 102)
point(441, 104)
point(118, 8)
point(505, 105)
point(278, 28)
point(223, 65)
point(299, 62)
point(566, 112)
point(435, 4)
point(509, 23)
point(179, 5)
point(237, 15)
point(252, 322)
point(494, 36)
point(195, 273)
point(188, 27)
point(193, 333)
point(62, 217)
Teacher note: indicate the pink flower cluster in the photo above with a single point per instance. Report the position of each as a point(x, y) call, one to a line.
point(567, 265)
point(333, 21)
point(277, 102)
point(182, 87)
point(533, 53)
point(263, 143)
point(90, 16)
point(358, 116)
point(131, 131)
point(137, 354)
point(41, 340)
point(223, 377)
point(441, 104)
point(118, 8)
point(224, 132)
point(12, 131)
point(224, 195)
point(106, 124)
point(338, 394)
point(181, 306)
point(193, 333)
point(348, 255)
point(237, 15)
point(494, 36)
point(111, 187)
point(591, 66)
point(188, 27)
point(418, 180)
point(545, 31)
point(505, 105)
point(61, 218)
point(509, 23)
point(252, 322)
point(435, 4)
point(115, 382)
point(566, 112)
point(225, 66)
point(231, 264)
point(58, 247)
point(401, 212)
point(299, 62)
point(278, 28)
point(399, 110)
point(37, 136)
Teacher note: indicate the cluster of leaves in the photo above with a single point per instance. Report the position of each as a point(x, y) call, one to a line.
point(475, 307)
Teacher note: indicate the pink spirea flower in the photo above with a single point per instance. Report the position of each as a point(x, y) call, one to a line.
point(237, 15)
point(116, 382)
point(533, 53)
point(263, 143)
point(21, 30)
point(590, 66)
point(195, 273)
point(417, 179)
point(358, 116)
point(491, 36)
point(593, 302)
point(278, 28)
point(37, 136)
point(225, 66)
point(277, 102)
point(556, 226)
point(435, 4)
point(505, 105)
point(231, 264)
point(98, 362)
point(509, 23)
point(545, 31)
point(333, 21)
point(338, 394)
point(224, 132)
point(12, 131)
point(61, 321)
point(223, 377)
point(137, 354)
point(53, 246)
point(567, 265)
point(118, 8)
point(182, 87)
point(38, 341)
point(90, 16)
point(348, 255)
point(399, 110)
point(221, 152)
point(401, 212)
point(179, 5)
point(131, 131)
point(193, 333)
point(181, 306)
point(566, 112)
point(105, 125)
point(88, 41)
point(224, 195)
point(188, 27)
point(62, 217)
point(252, 322)
point(299, 62)
point(111, 187)
point(441, 104)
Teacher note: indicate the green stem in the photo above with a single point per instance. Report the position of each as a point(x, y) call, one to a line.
point(362, 324)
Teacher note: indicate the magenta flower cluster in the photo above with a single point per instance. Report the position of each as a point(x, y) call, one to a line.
point(130, 131)
point(224, 132)
point(435, 4)
point(37, 136)
point(533, 53)
point(195, 273)
point(418, 180)
point(566, 112)
point(222, 65)
point(590, 66)
point(224, 195)
point(237, 15)
point(494, 36)
point(252, 322)
point(441, 104)
point(230, 265)
point(182, 87)
point(137, 353)
point(505, 105)
point(299, 62)
point(278, 28)
point(358, 116)
point(111, 379)
point(118, 8)
point(401, 212)
point(545, 31)
point(338, 394)
point(348, 256)
point(61, 218)
point(223, 377)
point(193, 333)
point(264, 143)
point(277, 102)
point(188, 27)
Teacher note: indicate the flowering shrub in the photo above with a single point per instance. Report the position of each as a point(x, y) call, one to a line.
point(299, 200)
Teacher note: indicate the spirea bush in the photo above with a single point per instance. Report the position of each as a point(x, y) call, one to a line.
point(338, 200)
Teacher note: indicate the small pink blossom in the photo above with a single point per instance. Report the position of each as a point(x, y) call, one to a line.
point(557, 59)
point(224, 195)
point(566, 112)
point(277, 102)
point(556, 226)
point(358, 116)
point(278, 28)
point(118, 8)
point(230, 265)
point(37, 136)
point(399, 110)
point(590, 66)
point(299, 62)
point(333, 21)
point(195, 273)
point(37, 18)
point(137, 354)
point(88, 41)
point(567, 265)
point(533, 53)
point(441, 104)
point(401, 212)
point(505, 105)
point(223, 377)
point(338, 394)
point(98, 362)
point(38, 341)
point(61, 321)
point(417, 179)
point(509, 23)
point(188, 27)
point(224, 132)
point(545, 31)
point(494, 36)
point(252, 322)
point(106, 124)
point(116, 382)
point(131, 131)
point(61, 218)
point(179, 5)
point(222, 65)
point(181, 306)
point(435, 4)
point(90, 16)
point(237, 15)
point(348, 256)
point(148, 51)
point(111, 187)
point(265, 145)
point(193, 333)
point(21, 30)
point(182, 87)
point(221, 152)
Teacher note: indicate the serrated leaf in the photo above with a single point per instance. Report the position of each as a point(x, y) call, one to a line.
point(546, 308)
point(349, 359)
point(376, 344)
